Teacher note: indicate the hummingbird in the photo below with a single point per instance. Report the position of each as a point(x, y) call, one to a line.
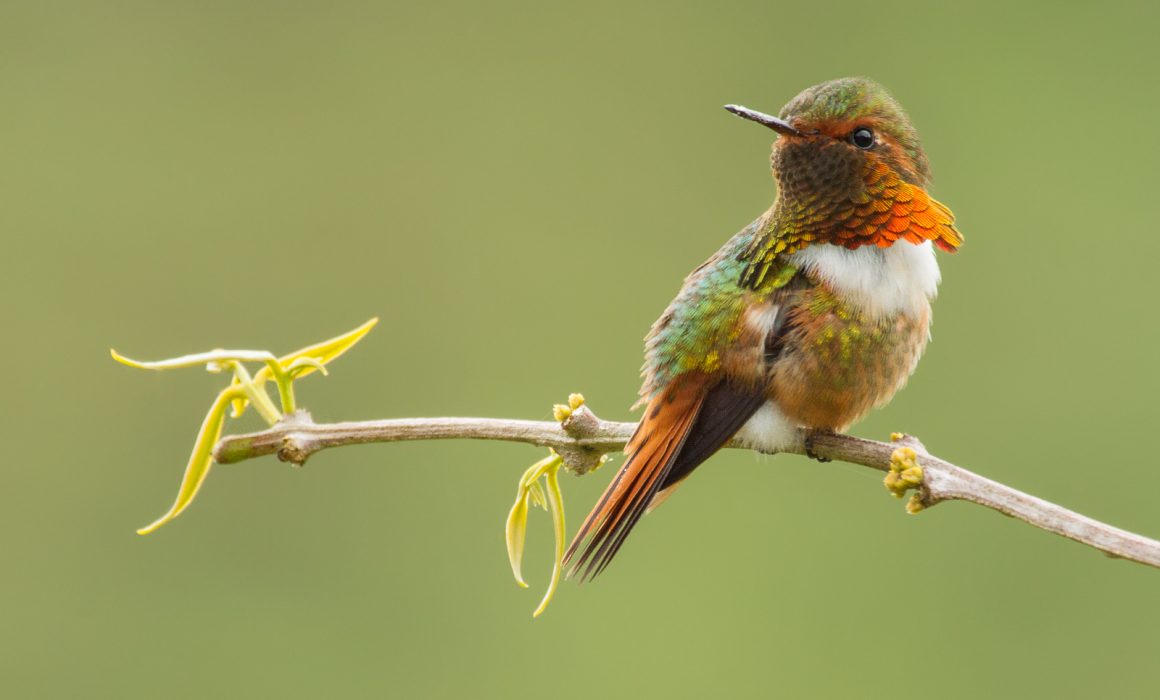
point(808, 318)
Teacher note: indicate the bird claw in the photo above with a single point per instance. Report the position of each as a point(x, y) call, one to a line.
point(809, 447)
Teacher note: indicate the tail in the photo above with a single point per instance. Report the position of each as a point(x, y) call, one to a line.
point(682, 427)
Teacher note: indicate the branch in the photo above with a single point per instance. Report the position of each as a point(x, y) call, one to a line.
point(582, 439)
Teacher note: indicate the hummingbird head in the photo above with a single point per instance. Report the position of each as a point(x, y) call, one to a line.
point(851, 170)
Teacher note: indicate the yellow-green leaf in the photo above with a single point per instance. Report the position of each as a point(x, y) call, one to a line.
point(200, 460)
point(515, 533)
point(327, 350)
point(322, 352)
point(212, 357)
point(556, 505)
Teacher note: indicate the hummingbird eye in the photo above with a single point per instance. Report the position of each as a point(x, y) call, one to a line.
point(862, 138)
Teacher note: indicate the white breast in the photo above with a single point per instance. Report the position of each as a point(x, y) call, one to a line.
point(769, 430)
point(883, 281)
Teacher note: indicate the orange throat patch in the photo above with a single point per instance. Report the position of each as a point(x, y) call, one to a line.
point(891, 209)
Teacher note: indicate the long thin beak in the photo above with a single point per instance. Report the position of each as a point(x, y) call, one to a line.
point(779, 125)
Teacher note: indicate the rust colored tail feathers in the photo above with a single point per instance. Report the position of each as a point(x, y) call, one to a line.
point(682, 426)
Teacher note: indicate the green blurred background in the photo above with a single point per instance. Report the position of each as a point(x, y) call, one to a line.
point(517, 191)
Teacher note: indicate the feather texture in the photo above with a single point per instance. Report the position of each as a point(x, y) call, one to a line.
point(807, 318)
point(651, 452)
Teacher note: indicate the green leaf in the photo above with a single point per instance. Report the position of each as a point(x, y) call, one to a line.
point(200, 460)
point(321, 353)
point(556, 503)
point(515, 532)
point(516, 528)
point(211, 358)
point(325, 351)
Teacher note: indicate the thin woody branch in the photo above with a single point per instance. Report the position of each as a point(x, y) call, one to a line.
point(583, 438)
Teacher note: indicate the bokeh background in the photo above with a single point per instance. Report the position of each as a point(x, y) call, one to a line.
point(517, 190)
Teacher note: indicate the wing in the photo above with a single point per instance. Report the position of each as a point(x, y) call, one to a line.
point(652, 451)
point(705, 377)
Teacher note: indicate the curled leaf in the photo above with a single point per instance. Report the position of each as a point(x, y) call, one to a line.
point(298, 367)
point(200, 460)
point(515, 532)
point(243, 390)
point(322, 353)
point(529, 490)
point(516, 528)
point(556, 505)
point(212, 359)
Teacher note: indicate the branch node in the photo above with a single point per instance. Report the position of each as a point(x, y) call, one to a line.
point(581, 460)
point(581, 423)
point(296, 449)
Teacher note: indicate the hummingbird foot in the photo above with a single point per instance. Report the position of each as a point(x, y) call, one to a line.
point(905, 474)
point(809, 445)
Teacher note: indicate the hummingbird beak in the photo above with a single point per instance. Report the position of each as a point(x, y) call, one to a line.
point(781, 126)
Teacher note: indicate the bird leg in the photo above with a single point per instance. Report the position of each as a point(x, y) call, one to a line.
point(809, 444)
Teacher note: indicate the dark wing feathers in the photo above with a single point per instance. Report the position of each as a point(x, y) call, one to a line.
point(683, 425)
point(657, 440)
point(724, 411)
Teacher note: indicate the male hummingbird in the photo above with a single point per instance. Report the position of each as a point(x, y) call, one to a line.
point(811, 316)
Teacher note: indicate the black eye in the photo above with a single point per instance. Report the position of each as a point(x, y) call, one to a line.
point(862, 138)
